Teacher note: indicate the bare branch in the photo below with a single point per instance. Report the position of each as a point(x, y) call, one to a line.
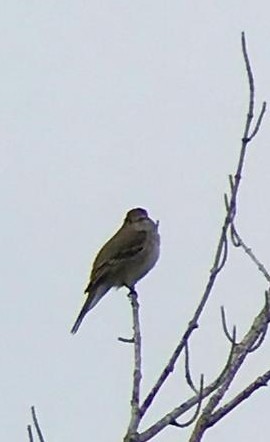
point(228, 363)
point(30, 434)
point(223, 256)
point(245, 394)
point(168, 368)
point(126, 340)
point(247, 135)
point(187, 405)
point(197, 411)
point(234, 237)
point(137, 373)
point(187, 370)
point(240, 353)
point(259, 121)
point(237, 241)
point(237, 356)
point(261, 338)
point(231, 180)
point(36, 424)
point(250, 114)
point(222, 248)
point(231, 338)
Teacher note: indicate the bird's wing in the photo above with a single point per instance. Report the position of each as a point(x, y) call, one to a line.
point(124, 245)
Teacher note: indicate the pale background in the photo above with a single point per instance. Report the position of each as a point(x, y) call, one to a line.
point(105, 106)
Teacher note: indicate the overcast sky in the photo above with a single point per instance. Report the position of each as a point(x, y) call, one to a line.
point(105, 106)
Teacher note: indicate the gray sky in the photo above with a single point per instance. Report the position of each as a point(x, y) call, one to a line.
point(105, 106)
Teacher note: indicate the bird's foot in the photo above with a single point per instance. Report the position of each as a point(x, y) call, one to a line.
point(132, 290)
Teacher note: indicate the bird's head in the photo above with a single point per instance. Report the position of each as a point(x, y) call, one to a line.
point(135, 215)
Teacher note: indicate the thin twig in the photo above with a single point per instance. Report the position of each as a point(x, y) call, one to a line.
point(231, 180)
point(126, 340)
point(231, 338)
point(261, 338)
point(238, 241)
point(224, 255)
point(187, 370)
point(257, 125)
point(234, 237)
point(30, 434)
point(261, 381)
point(36, 424)
point(246, 136)
point(222, 375)
point(197, 410)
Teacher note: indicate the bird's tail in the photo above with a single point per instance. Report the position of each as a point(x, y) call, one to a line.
point(82, 314)
point(93, 296)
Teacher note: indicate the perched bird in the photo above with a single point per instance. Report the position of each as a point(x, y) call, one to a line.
point(123, 260)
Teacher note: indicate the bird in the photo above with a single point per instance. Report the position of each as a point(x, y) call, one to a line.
point(126, 258)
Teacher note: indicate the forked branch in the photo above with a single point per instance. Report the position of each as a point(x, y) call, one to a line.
point(222, 248)
point(36, 427)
